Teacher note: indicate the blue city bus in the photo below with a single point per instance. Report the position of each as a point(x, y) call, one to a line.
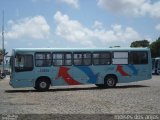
point(105, 67)
point(156, 65)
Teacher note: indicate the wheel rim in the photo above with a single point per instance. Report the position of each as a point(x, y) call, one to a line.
point(43, 84)
point(110, 82)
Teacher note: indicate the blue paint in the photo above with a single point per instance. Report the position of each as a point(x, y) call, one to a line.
point(89, 73)
point(132, 67)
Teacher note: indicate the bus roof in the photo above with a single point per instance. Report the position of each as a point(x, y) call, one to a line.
point(77, 49)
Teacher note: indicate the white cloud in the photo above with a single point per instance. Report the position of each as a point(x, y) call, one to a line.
point(71, 30)
point(97, 25)
point(154, 10)
point(74, 31)
point(132, 7)
point(158, 27)
point(73, 3)
point(31, 27)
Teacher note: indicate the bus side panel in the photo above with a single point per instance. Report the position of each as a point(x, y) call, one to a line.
point(134, 73)
point(22, 79)
point(74, 75)
point(60, 75)
point(79, 75)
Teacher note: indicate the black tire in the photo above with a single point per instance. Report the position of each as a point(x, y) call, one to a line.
point(110, 81)
point(42, 84)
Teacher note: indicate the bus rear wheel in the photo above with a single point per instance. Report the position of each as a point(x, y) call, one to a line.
point(110, 81)
point(42, 84)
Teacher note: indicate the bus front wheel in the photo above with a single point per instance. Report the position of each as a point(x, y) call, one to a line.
point(110, 81)
point(42, 84)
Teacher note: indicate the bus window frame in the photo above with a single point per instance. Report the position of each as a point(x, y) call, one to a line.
point(131, 59)
point(63, 58)
point(84, 52)
point(43, 59)
point(120, 58)
point(99, 52)
point(23, 69)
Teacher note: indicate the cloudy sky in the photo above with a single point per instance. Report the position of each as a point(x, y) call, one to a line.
point(79, 23)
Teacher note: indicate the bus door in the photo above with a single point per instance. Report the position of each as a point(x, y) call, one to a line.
point(23, 66)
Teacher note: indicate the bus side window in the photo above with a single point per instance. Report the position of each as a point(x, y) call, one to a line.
point(77, 58)
point(67, 59)
point(138, 57)
point(120, 57)
point(43, 59)
point(87, 58)
point(18, 61)
point(96, 60)
point(23, 63)
point(101, 58)
point(58, 59)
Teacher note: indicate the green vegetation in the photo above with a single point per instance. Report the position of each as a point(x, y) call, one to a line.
point(154, 46)
point(1, 55)
point(141, 43)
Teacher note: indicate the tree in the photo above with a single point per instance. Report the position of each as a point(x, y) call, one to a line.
point(141, 43)
point(155, 48)
point(1, 55)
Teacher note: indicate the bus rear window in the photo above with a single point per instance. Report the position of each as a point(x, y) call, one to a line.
point(139, 57)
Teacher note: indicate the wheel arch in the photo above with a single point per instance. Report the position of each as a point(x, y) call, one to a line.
point(111, 75)
point(43, 77)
